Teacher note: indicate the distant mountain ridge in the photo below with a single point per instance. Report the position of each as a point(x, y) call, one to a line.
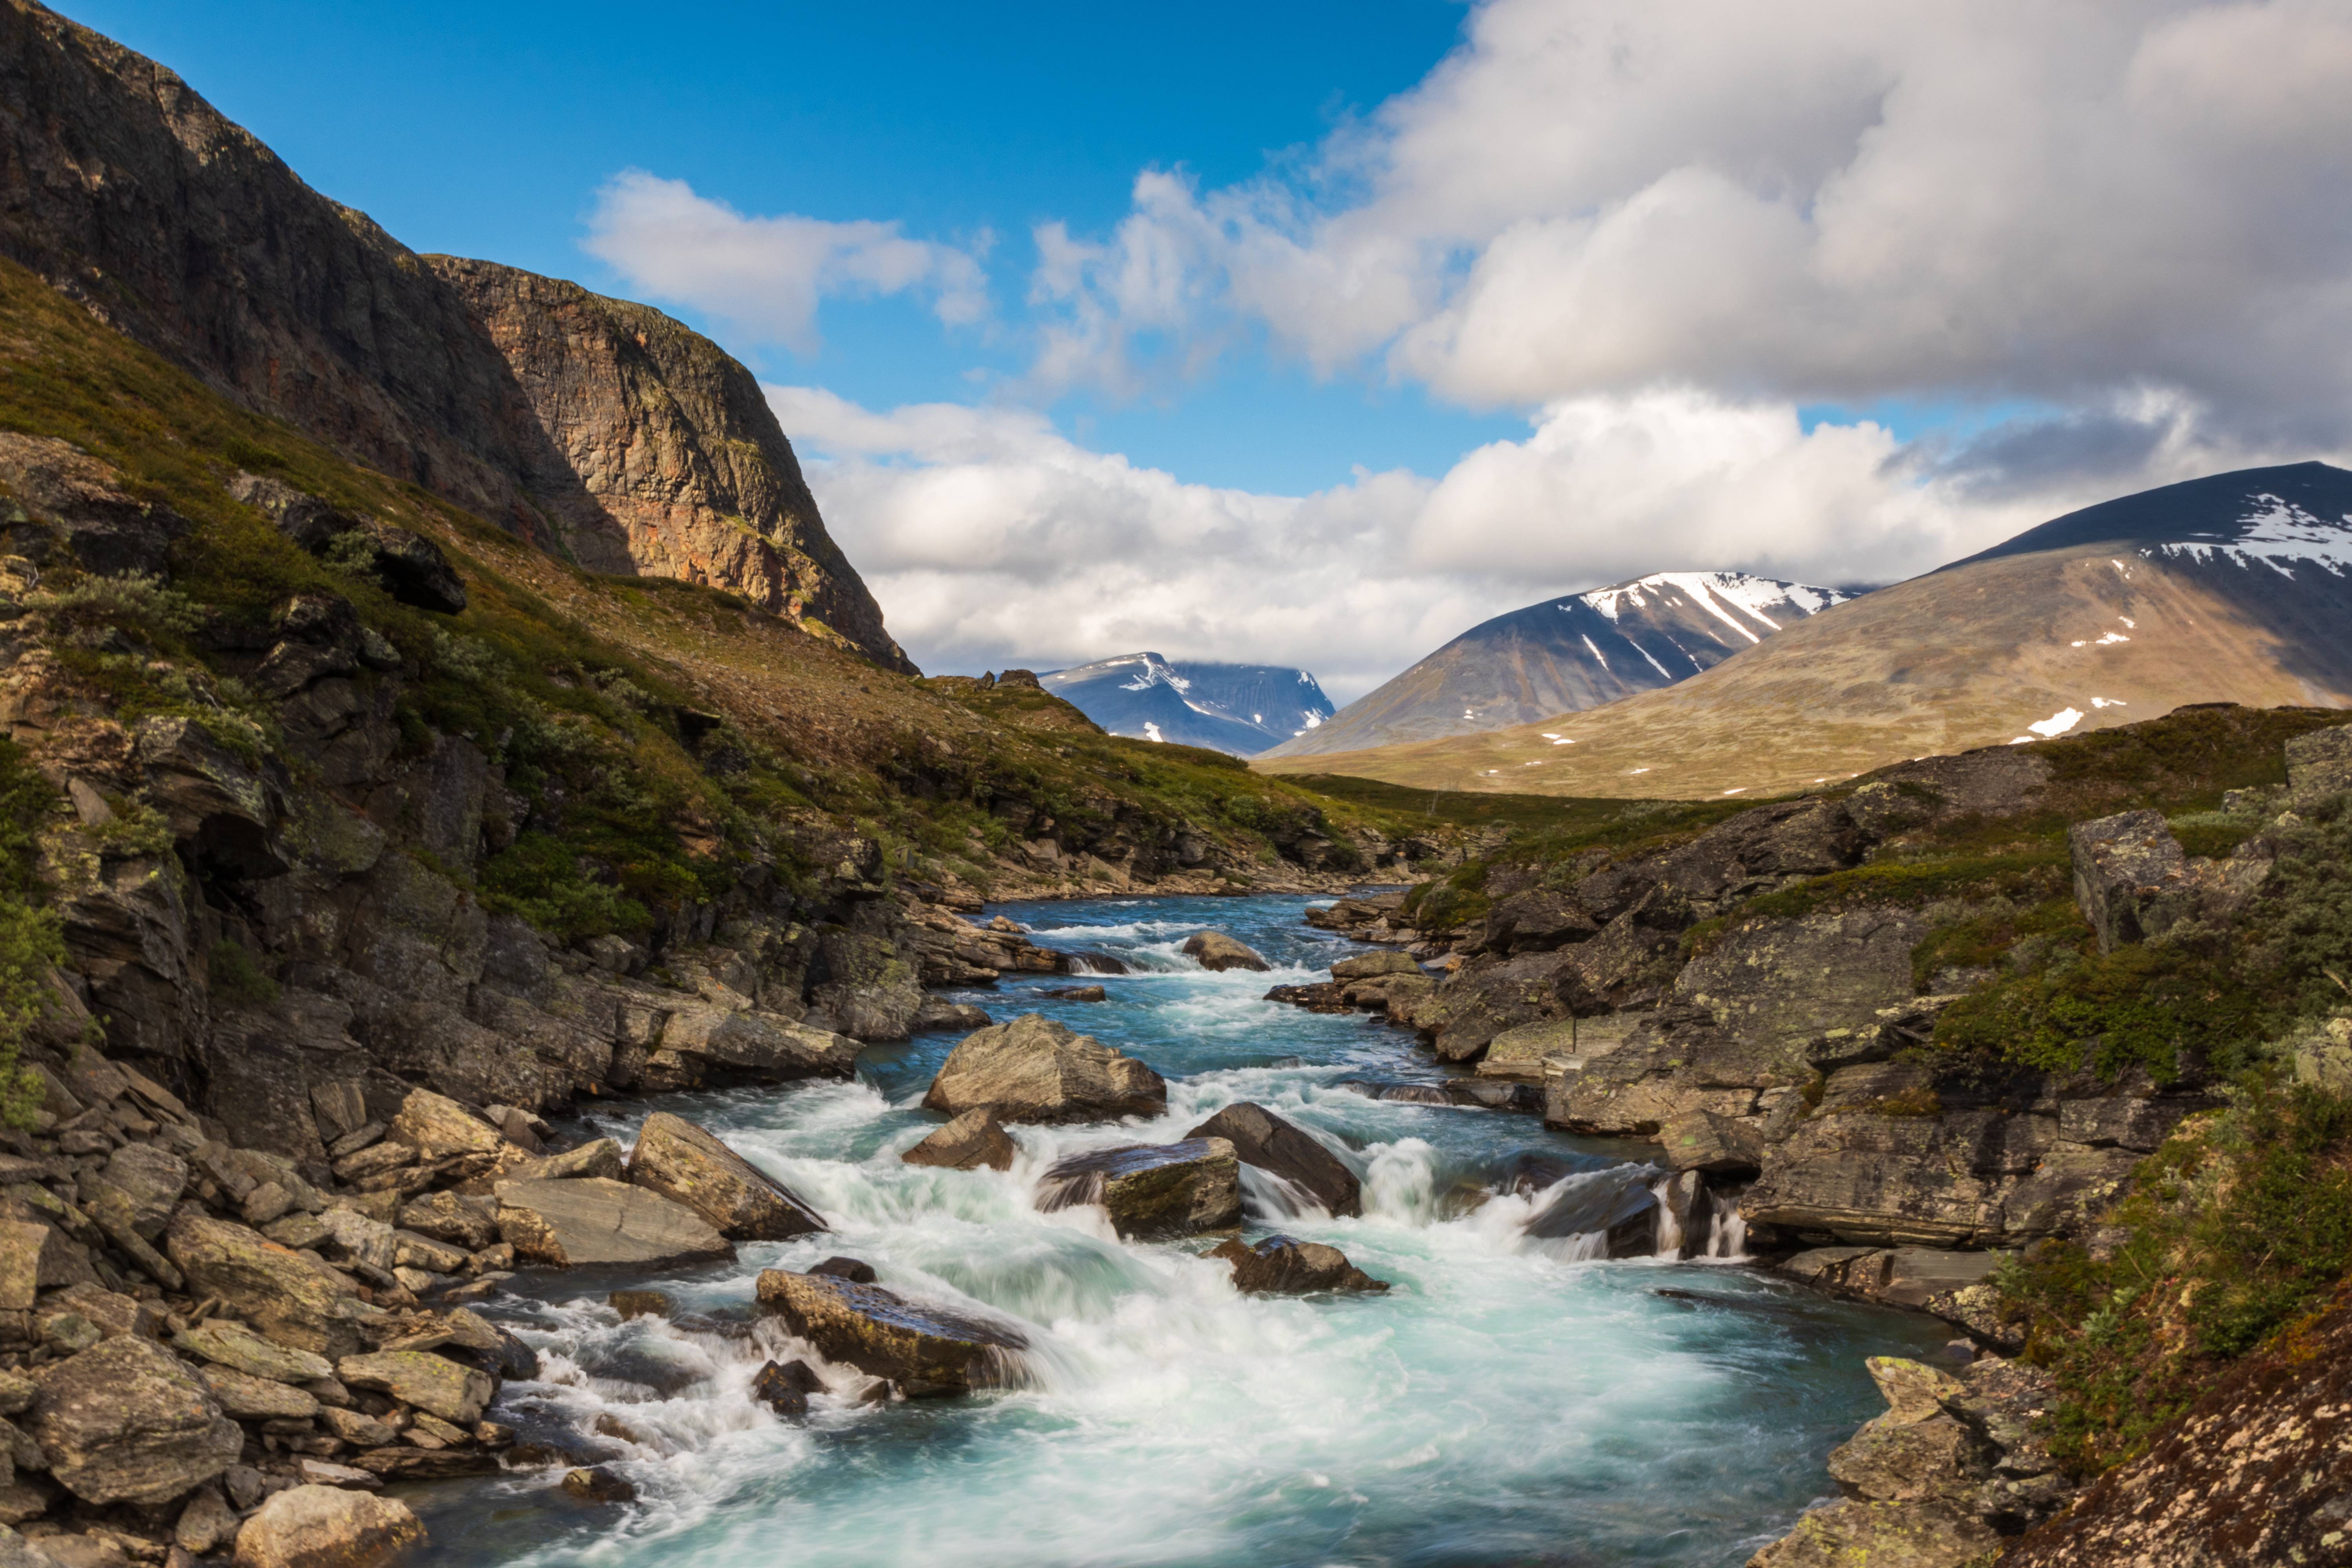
point(1241, 709)
point(2236, 587)
point(1568, 654)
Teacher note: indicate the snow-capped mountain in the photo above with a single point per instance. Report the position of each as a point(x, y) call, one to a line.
point(1243, 709)
point(1568, 654)
point(2232, 588)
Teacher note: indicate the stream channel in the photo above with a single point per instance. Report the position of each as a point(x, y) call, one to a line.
point(1509, 1401)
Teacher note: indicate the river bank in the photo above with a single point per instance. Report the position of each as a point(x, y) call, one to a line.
point(1502, 1402)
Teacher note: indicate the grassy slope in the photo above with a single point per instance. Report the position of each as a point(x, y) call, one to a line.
point(1936, 665)
point(569, 676)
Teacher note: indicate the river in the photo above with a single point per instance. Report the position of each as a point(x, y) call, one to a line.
point(1506, 1403)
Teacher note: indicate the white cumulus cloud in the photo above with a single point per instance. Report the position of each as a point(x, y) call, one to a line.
point(762, 276)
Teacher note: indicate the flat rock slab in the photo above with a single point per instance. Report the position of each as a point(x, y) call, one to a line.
point(678, 1161)
point(1265, 1140)
point(1882, 1535)
point(1152, 1190)
point(1283, 1264)
point(1215, 950)
point(420, 1378)
point(1033, 1069)
point(268, 1286)
point(926, 1350)
point(971, 1141)
point(1371, 965)
point(597, 1221)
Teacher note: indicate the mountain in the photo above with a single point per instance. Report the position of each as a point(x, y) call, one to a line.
point(2232, 588)
point(1568, 654)
point(598, 429)
point(1243, 709)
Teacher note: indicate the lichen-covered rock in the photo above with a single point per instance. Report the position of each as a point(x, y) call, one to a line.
point(972, 1140)
point(127, 1421)
point(1282, 1265)
point(437, 1127)
point(2131, 876)
point(1152, 1191)
point(1264, 1140)
point(926, 1350)
point(1883, 1536)
point(1033, 1069)
point(1216, 951)
point(1372, 966)
point(596, 1221)
point(1916, 1452)
point(429, 1382)
point(327, 1527)
point(1720, 1145)
point(468, 1221)
point(762, 1046)
point(2319, 763)
point(686, 1164)
point(274, 1289)
point(258, 1398)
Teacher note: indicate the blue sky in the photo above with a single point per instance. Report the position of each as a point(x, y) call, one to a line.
point(487, 130)
point(1316, 333)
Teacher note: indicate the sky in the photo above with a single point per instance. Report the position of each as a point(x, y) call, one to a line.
point(1314, 333)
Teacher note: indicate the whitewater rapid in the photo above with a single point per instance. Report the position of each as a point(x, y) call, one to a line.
point(1508, 1400)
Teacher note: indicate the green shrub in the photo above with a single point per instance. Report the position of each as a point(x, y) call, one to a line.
point(543, 880)
point(236, 979)
point(2233, 1232)
point(2170, 1010)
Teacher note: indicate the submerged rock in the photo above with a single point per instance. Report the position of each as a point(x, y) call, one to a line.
point(971, 1141)
point(1282, 1265)
point(599, 1484)
point(1216, 951)
point(938, 1013)
point(785, 1389)
point(1033, 1069)
point(1079, 994)
point(1265, 1140)
point(1152, 1190)
point(592, 1221)
point(686, 1164)
point(926, 1350)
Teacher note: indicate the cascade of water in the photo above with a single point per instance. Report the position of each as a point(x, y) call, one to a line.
point(1668, 1230)
point(1726, 1228)
point(1269, 1198)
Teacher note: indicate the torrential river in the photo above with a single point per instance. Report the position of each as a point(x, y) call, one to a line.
point(1505, 1403)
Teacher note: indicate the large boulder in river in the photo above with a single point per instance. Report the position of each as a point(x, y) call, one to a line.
point(1616, 1209)
point(686, 1164)
point(1265, 1140)
point(1214, 950)
point(594, 1220)
point(127, 1421)
point(926, 1350)
point(1152, 1190)
point(327, 1527)
point(1283, 1264)
point(971, 1141)
point(1033, 1069)
point(261, 1283)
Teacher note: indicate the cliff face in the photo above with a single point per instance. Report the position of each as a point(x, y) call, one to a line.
point(126, 189)
point(676, 464)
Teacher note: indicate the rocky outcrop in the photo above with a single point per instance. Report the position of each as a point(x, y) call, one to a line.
point(973, 1141)
point(1033, 1069)
point(925, 1350)
point(1215, 951)
point(686, 1164)
point(577, 1224)
point(1151, 1191)
point(1280, 1148)
point(1957, 1465)
point(600, 428)
point(1284, 1266)
point(682, 470)
point(2319, 764)
point(126, 1421)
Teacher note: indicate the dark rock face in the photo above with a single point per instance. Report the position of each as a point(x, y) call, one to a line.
point(785, 1389)
point(1265, 1140)
point(1281, 1265)
point(926, 1351)
point(106, 531)
point(2129, 874)
point(1152, 1190)
point(599, 426)
point(1617, 1204)
point(2320, 763)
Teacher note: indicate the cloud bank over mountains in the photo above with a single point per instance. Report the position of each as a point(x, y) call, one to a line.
point(2088, 248)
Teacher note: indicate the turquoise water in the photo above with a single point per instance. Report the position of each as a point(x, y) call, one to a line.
point(1505, 1403)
